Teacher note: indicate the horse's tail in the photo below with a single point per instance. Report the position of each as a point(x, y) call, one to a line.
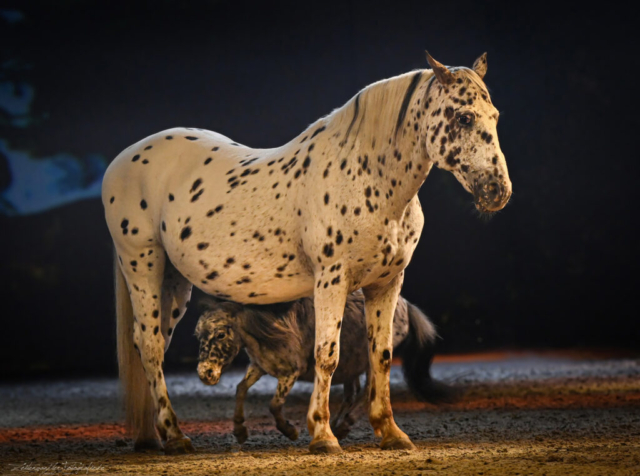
point(417, 351)
point(138, 404)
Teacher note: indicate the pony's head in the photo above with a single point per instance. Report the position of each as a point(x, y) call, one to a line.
point(460, 132)
point(219, 340)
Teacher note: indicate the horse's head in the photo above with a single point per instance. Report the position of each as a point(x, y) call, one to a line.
point(219, 340)
point(460, 132)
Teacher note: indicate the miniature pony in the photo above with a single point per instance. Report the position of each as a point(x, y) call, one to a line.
point(279, 339)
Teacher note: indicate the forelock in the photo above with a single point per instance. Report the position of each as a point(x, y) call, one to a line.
point(471, 75)
point(211, 320)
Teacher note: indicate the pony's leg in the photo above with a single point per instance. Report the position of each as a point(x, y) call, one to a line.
point(380, 304)
point(329, 305)
point(252, 376)
point(356, 385)
point(352, 413)
point(344, 420)
point(176, 292)
point(145, 288)
point(284, 386)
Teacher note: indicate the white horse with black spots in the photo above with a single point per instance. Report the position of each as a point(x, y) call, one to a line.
point(333, 210)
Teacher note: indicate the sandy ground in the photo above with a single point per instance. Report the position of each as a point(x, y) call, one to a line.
point(522, 414)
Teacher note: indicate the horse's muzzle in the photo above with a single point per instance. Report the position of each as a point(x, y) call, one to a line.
point(491, 195)
point(209, 373)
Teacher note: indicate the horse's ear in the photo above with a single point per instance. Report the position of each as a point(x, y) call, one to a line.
point(480, 65)
point(444, 76)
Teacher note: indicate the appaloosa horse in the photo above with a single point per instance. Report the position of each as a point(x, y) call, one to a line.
point(333, 210)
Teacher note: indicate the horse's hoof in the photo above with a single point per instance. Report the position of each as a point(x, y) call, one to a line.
point(241, 433)
point(147, 445)
point(397, 443)
point(324, 447)
point(179, 446)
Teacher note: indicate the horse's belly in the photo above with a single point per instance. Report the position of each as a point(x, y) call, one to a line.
point(247, 273)
point(254, 290)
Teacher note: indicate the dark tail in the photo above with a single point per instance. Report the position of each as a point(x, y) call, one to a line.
point(417, 351)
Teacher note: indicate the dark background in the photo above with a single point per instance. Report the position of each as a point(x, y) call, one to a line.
point(556, 268)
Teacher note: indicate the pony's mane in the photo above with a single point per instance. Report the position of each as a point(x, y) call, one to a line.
point(275, 326)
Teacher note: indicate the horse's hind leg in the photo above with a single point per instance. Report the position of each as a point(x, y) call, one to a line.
point(343, 422)
point(144, 274)
point(176, 293)
point(252, 376)
point(380, 304)
point(284, 386)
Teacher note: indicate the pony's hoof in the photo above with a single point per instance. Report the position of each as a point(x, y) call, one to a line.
point(324, 447)
point(179, 446)
point(341, 432)
point(288, 430)
point(147, 445)
point(397, 443)
point(241, 434)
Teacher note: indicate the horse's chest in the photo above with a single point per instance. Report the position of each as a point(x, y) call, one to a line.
point(388, 251)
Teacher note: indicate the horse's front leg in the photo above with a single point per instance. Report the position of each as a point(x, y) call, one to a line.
point(284, 387)
point(253, 374)
point(329, 305)
point(145, 288)
point(380, 305)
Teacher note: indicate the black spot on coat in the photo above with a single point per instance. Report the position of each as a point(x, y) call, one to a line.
point(185, 233)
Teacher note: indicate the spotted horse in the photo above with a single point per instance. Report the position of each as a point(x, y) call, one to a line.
point(333, 210)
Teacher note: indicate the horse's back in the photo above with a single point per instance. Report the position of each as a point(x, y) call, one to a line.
point(164, 155)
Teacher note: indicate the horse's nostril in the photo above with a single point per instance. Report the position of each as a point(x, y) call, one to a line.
point(209, 373)
point(494, 190)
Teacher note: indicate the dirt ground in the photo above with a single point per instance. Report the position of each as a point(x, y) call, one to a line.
point(522, 414)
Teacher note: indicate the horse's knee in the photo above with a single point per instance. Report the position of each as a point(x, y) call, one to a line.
point(327, 356)
point(382, 356)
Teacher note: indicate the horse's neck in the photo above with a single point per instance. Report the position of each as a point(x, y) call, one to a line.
point(403, 173)
point(384, 130)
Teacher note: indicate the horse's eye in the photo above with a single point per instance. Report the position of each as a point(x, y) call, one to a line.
point(221, 335)
point(465, 119)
